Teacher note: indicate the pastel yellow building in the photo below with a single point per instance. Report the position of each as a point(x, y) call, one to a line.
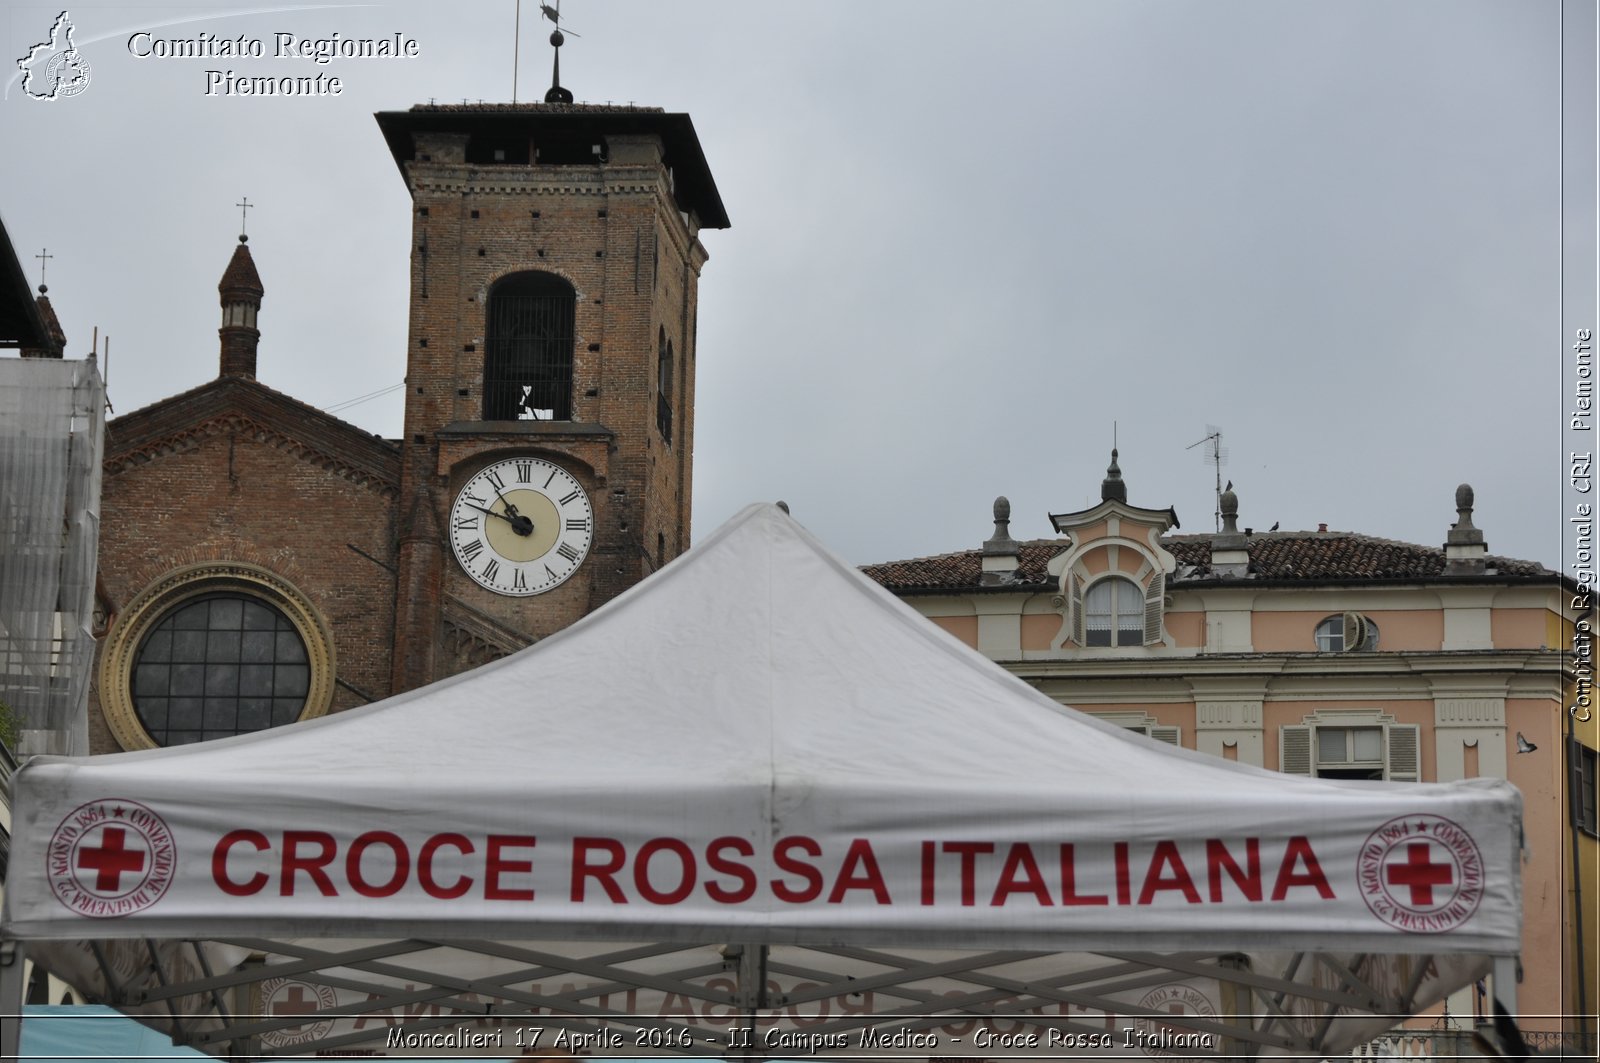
point(1313, 652)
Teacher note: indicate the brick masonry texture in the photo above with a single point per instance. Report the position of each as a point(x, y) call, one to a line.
point(235, 471)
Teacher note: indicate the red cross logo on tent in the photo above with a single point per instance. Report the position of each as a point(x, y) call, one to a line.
point(286, 998)
point(1165, 1039)
point(1421, 874)
point(111, 858)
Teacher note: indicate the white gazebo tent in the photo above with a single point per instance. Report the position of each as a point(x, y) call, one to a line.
point(755, 805)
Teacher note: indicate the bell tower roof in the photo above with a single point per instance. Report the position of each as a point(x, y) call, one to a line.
point(488, 126)
point(240, 279)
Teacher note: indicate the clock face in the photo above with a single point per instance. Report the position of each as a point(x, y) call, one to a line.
point(521, 526)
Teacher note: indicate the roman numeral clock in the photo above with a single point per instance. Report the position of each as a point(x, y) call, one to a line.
point(521, 526)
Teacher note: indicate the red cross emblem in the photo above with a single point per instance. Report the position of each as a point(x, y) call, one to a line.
point(1179, 1001)
point(296, 1004)
point(111, 858)
point(1421, 874)
point(289, 997)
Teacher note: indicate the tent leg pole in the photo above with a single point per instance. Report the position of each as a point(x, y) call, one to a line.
point(1505, 983)
point(751, 976)
point(12, 956)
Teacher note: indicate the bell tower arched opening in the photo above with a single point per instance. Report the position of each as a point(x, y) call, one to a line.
point(527, 368)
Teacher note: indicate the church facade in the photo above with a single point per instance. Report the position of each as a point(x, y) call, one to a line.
point(263, 561)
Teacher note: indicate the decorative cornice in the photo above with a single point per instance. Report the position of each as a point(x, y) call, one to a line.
point(1274, 666)
point(247, 407)
point(1469, 712)
point(191, 437)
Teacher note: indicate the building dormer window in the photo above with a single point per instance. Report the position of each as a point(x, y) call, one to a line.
point(527, 369)
point(1113, 613)
point(1347, 632)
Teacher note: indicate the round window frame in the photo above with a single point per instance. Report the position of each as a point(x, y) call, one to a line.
point(152, 605)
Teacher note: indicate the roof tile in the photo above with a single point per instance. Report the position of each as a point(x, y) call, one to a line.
point(1287, 556)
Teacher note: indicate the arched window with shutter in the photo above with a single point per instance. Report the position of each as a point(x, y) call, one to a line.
point(529, 335)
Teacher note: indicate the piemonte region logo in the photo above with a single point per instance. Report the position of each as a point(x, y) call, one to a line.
point(1421, 874)
point(284, 997)
point(111, 858)
point(54, 69)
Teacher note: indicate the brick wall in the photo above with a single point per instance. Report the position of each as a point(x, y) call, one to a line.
point(216, 475)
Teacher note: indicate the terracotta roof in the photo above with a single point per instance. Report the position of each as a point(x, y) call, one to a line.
point(241, 276)
point(1308, 557)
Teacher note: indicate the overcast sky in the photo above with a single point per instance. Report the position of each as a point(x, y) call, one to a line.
point(967, 238)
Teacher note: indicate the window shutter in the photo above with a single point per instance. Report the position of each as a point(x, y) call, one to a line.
point(1355, 632)
point(1076, 606)
point(1172, 736)
point(1153, 600)
point(1294, 749)
point(1404, 762)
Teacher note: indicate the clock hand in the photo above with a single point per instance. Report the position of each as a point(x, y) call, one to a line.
point(510, 509)
point(519, 524)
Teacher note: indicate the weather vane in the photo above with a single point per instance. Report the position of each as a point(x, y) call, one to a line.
point(557, 94)
point(43, 256)
point(244, 206)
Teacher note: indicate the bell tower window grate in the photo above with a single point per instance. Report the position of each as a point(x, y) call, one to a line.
point(530, 336)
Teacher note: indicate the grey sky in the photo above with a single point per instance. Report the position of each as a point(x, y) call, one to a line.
point(966, 239)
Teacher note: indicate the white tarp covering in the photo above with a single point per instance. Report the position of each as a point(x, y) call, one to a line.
point(52, 437)
point(758, 745)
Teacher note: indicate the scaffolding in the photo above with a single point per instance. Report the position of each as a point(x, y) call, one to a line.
point(52, 437)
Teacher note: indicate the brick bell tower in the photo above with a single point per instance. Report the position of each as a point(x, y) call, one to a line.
point(549, 423)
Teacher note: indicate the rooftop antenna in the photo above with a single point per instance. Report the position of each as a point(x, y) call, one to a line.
point(557, 94)
point(1216, 455)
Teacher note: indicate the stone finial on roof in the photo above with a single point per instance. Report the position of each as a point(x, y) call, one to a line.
point(1464, 546)
point(1230, 511)
point(1463, 530)
point(1230, 551)
point(1001, 557)
point(1112, 489)
point(1001, 542)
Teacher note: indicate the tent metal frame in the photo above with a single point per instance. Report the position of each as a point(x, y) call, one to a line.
point(1262, 1013)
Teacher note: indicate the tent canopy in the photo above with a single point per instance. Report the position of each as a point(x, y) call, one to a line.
point(758, 745)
